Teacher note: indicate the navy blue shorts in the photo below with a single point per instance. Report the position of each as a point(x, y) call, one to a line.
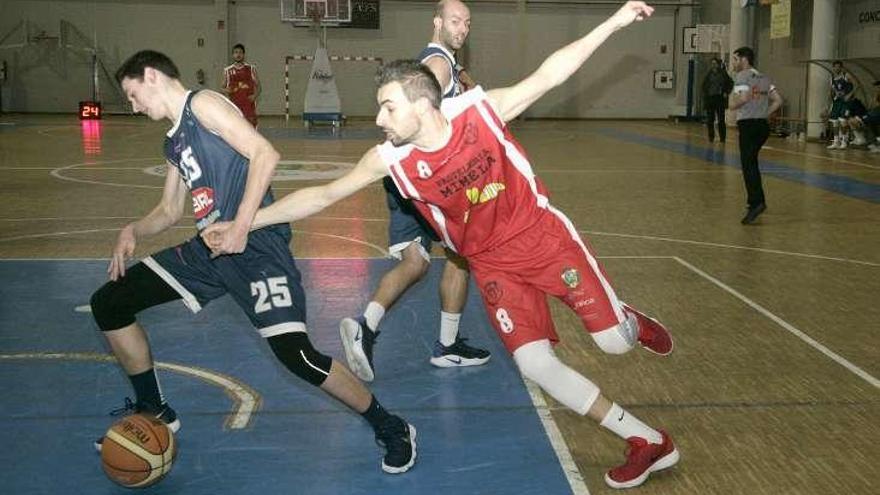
point(838, 109)
point(405, 224)
point(263, 280)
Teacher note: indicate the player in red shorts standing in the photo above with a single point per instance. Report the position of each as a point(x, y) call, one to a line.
point(473, 182)
point(241, 85)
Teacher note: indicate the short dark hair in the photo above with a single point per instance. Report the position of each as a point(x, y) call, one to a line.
point(746, 53)
point(837, 62)
point(133, 68)
point(416, 79)
point(239, 45)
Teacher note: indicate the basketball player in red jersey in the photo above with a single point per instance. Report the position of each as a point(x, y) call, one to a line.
point(472, 180)
point(241, 85)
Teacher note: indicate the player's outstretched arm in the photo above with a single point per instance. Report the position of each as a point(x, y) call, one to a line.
point(307, 201)
point(558, 67)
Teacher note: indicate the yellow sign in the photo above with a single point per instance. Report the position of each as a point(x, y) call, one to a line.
point(780, 19)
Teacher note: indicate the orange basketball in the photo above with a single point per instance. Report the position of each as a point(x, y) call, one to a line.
point(138, 451)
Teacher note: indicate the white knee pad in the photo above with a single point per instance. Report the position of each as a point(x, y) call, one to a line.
point(620, 338)
point(538, 362)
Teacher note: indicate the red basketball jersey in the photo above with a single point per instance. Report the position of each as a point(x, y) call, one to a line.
point(478, 191)
point(240, 79)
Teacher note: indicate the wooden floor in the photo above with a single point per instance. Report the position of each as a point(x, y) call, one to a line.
point(773, 387)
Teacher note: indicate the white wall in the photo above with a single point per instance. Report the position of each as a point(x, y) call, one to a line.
point(505, 45)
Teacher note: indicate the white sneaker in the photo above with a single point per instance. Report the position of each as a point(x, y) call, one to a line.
point(859, 142)
point(833, 145)
point(873, 148)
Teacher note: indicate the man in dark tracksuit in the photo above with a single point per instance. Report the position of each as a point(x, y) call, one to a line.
point(716, 86)
point(754, 97)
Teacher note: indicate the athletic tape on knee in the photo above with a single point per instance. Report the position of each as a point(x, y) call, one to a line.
point(620, 338)
point(538, 362)
point(296, 353)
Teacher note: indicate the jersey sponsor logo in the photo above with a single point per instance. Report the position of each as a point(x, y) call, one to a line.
point(571, 278)
point(490, 192)
point(493, 293)
point(464, 176)
point(203, 201)
point(208, 220)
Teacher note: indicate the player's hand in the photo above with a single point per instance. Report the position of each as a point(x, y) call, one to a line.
point(224, 238)
point(631, 12)
point(125, 244)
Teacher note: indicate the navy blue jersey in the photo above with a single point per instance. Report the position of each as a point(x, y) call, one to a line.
point(214, 172)
point(433, 50)
point(841, 85)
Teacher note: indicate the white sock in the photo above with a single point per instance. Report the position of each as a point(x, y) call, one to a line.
point(625, 425)
point(449, 327)
point(373, 314)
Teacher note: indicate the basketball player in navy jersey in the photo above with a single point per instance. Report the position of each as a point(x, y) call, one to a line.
point(218, 159)
point(460, 163)
point(842, 91)
point(410, 237)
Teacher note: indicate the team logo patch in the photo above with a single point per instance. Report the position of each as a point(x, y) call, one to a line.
point(571, 277)
point(493, 293)
point(203, 201)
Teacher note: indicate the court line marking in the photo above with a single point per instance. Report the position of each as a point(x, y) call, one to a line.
point(557, 441)
point(178, 227)
point(864, 375)
point(380, 249)
point(781, 150)
point(732, 246)
point(246, 401)
point(74, 219)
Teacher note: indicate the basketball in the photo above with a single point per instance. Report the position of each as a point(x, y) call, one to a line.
point(138, 451)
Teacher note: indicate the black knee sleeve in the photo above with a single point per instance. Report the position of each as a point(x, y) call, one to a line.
point(115, 304)
point(295, 351)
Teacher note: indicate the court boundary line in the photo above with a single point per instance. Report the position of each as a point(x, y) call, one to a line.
point(557, 441)
point(864, 375)
point(379, 220)
point(829, 158)
point(245, 399)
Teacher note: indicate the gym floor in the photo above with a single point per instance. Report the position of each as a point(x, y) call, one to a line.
point(773, 387)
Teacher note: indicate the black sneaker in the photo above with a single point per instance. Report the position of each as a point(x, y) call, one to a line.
point(399, 439)
point(752, 214)
point(358, 340)
point(164, 412)
point(458, 354)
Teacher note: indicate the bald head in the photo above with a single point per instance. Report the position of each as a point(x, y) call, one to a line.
point(452, 22)
point(445, 8)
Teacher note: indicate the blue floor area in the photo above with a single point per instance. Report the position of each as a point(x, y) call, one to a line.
point(478, 431)
point(846, 186)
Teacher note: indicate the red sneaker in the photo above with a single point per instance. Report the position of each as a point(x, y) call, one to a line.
point(652, 334)
point(642, 459)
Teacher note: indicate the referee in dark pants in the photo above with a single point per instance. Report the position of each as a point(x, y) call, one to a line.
point(754, 98)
